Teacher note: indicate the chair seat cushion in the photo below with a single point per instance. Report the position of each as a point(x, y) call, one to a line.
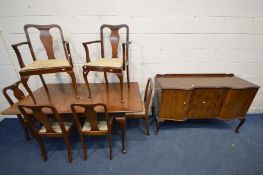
point(56, 127)
point(102, 125)
point(143, 112)
point(106, 62)
point(46, 64)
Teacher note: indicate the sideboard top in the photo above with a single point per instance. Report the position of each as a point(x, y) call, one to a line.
point(191, 81)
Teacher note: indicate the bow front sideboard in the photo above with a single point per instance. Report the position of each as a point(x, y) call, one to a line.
point(179, 97)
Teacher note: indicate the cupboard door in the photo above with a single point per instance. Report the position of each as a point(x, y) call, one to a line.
point(174, 104)
point(237, 102)
point(206, 103)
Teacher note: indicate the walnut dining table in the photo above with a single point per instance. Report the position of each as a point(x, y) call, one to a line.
point(62, 96)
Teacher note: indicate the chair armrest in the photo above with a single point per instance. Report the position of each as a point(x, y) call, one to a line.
point(18, 54)
point(85, 44)
point(125, 53)
point(68, 53)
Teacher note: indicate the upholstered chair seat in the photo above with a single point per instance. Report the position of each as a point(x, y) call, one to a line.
point(102, 125)
point(106, 62)
point(56, 127)
point(47, 64)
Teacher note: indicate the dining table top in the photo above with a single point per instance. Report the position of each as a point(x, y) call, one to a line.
point(62, 96)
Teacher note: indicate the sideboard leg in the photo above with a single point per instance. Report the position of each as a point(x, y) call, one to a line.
point(242, 121)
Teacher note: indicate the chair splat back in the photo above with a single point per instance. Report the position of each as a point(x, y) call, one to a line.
point(40, 116)
point(114, 37)
point(17, 92)
point(148, 94)
point(46, 39)
point(91, 115)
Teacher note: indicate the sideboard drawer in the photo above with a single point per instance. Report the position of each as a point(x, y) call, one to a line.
point(206, 102)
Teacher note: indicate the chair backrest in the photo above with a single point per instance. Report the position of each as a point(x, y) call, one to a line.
point(17, 92)
point(90, 114)
point(148, 94)
point(36, 113)
point(46, 39)
point(114, 38)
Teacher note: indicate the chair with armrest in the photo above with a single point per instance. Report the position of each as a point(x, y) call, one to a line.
point(51, 65)
point(18, 94)
point(92, 126)
point(113, 64)
point(51, 125)
point(146, 104)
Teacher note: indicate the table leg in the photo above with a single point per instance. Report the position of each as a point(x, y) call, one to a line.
point(122, 123)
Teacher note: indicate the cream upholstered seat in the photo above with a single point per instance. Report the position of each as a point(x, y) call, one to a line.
point(138, 113)
point(50, 63)
point(106, 62)
point(102, 125)
point(56, 127)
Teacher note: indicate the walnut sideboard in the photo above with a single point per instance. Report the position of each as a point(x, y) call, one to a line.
point(179, 97)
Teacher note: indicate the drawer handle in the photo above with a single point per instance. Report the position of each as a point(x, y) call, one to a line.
point(185, 103)
point(204, 102)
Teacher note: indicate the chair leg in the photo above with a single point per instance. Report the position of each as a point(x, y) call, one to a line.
point(122, 123)
point(110, 145)
point(23, 124)
point(157, 126)
point(41, 145)
point(85, 76)
point(242, 121)
point(147, 125)
point(128, 75)
point(106, 78)
point(84, 147)
point(45, 85)
point(74, 83)
point(120, 76)
point(69, 149)
point(24, 80)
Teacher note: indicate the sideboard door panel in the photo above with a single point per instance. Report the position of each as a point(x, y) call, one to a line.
point(206, 102)
point(175, 104)
point(237, 102)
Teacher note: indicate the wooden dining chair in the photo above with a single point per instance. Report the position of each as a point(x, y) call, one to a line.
point(51, 125)
point(51, 65)
point(18, 94)
point(146, 103)
point(113, 64)
point(92, 126)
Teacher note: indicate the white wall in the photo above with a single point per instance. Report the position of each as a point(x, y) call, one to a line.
point(169, 36)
